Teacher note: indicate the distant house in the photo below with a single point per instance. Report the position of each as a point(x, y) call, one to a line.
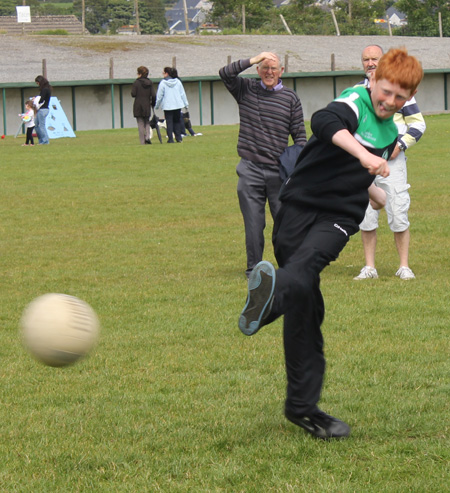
point(396, 18)
point(197, 11)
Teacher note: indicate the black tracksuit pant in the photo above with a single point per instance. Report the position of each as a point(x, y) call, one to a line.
point(173, 125)
point(30, 139)
point(305, 242)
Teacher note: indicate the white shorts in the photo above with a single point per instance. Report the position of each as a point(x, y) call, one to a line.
point(397, 198)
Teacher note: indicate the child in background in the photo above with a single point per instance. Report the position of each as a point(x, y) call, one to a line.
point(28, 120)
point(187, 125)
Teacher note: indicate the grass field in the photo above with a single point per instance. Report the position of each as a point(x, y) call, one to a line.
point(175, 398)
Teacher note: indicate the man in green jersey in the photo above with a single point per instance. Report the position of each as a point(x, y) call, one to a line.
point(323, 202)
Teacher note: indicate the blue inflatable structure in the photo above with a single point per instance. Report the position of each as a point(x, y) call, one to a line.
point(57, 123)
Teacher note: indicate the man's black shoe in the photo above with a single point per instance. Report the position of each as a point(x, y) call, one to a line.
point(321, 425)
point(261, 286)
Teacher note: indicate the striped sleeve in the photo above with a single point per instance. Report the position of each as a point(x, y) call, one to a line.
point(297, 123)
point(236, 85)
point(410, 123)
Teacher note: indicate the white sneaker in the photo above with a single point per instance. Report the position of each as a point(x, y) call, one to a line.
point(405, 273)
point(197, 135)
point(367, 273)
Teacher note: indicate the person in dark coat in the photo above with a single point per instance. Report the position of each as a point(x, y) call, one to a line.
point(41, 104)
point(144, 96)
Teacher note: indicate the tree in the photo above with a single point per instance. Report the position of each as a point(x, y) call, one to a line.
point(8, 7)
point(228, 13)
point(305, 18)
point(422, 16)
point(312, 18)
point(96, 14)
point(120, 14)
point(363, 14)
point(110, 15)
point(152, 17)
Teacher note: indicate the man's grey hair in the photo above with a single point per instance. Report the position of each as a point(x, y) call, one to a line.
point(278, 58)
point(373, 46)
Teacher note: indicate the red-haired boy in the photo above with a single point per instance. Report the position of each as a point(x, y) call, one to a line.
point(323, 202)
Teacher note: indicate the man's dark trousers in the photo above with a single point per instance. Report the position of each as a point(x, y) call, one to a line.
point(258, 183)
point(305, 242)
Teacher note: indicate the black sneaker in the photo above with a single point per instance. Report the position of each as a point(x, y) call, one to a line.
point(261, 286)
point(321, 425)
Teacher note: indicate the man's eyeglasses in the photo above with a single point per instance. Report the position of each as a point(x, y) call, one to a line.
point(270, 69)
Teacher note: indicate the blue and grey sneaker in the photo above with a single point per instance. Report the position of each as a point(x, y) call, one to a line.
point(261, 286)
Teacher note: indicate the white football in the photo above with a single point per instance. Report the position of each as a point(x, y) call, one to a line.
point(59, 329)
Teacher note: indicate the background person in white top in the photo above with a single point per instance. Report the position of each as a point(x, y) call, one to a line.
point(411, 126)
point(28, 120)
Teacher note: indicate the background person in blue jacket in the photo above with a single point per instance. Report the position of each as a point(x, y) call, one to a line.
point(171, 98)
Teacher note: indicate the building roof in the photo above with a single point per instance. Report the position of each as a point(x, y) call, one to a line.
point(393, 11)
point(196, 13)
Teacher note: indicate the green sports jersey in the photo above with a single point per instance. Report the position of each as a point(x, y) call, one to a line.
point(372, 132)
point(326, 177)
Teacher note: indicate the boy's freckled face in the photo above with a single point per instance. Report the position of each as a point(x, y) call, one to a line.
point(388, 98)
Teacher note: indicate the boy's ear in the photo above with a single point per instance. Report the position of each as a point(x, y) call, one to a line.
point(412, 95)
